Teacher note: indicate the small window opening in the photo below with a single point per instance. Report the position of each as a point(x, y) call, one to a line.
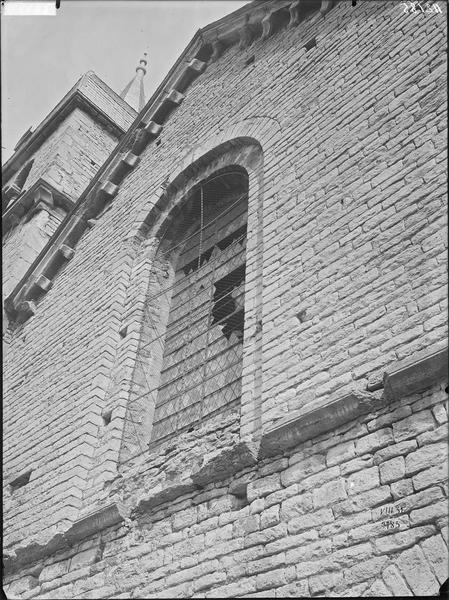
point(20, 481)
point(301, 316)
point(228, 296)
point(310, 44)
point(107, 415)
point(158, 143)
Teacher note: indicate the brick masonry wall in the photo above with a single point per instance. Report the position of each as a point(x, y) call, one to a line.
point(353, 254)
point(360, 511)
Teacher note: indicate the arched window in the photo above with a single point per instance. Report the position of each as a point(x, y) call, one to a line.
point(202, 258)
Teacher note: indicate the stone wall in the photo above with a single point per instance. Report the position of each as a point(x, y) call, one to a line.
point(359, 511)
point(347, 272)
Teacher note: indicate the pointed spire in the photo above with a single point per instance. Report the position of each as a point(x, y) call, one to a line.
point(134, 93)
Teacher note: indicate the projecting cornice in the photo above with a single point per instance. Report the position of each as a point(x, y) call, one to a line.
point(255, 21)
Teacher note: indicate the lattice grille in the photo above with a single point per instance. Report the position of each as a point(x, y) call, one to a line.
point(202, 349)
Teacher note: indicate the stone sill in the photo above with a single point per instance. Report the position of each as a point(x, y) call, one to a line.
point(409, 376)
point(316, 418)
point(417, 372)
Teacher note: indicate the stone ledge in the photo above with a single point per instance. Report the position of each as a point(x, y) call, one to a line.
point(93, 523)
point(417, 372)
point(63, 540)
point(315, 419)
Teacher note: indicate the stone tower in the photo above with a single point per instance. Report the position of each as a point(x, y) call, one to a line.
point(52, 165)
point(226, 369)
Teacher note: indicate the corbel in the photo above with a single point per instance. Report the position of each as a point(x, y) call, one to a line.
point(139, 141)
point(294, 10)
point(150, 127)
point(317, 418)
point(175, 97)
point(66, 251)
point(218, 47)
point(326, 5)
point(43, 283)
point(126, 163)
point(191, 71)
point(130, 159)
point(26, 309)
point(197, 65)
point(246, 34)
point(268, 24)
point(109, 189)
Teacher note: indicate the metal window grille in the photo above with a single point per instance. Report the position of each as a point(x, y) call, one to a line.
point(202, 350)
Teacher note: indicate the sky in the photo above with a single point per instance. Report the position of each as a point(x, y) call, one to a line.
point(44, 56)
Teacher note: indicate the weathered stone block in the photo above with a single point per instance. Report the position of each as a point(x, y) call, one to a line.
point(308, 521)
point(395, 581)
point(302, 469)
point(270, 517)
point(425, 457)
point(298, 505)
point(413, 425)
point(429, 477)
point(400, 449)
point(402, 488)
point(340, 453)
point(392, 470)
point(374, 441)
point(436, 552)
point(403, 539)
point(428, 514)
point(363, 480)
point(324, 582)
point(416, 572)
point(262, 487)
point(54, 571)
point(329, 493)
point(22, 585)
point(365, 570)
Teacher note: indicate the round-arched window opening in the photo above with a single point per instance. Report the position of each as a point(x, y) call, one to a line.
point(204, 249)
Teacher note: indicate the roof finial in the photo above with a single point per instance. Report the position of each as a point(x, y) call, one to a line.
point(143, 63)
point(134, 93)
